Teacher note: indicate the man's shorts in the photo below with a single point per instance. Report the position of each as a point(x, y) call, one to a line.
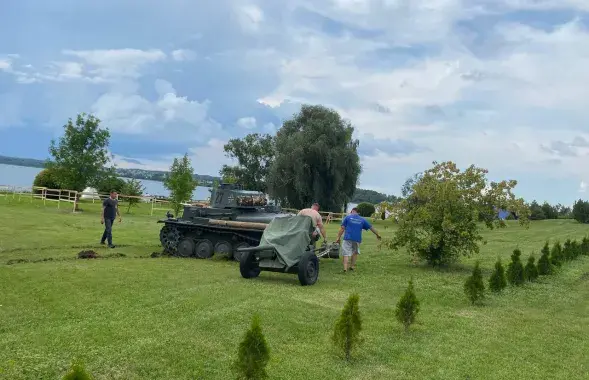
point(349, 247)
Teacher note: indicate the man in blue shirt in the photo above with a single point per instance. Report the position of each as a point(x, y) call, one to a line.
point(353, 225)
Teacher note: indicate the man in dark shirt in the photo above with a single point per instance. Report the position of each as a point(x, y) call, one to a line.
point(110, 209)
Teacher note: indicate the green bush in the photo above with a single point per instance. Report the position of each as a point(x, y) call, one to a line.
point(109, 183)
point(346, 334)
point(366, 209)
point(77, 372)
point(498, 280)
point(544, 264)
point(515, 269)
point(253, 354)
point(531, 271)
point(46, 178)
point(585, 246)
point(407, 307)
point(556, 257)
point(473, 286)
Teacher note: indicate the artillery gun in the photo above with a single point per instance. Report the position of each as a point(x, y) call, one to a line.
point(235, 219)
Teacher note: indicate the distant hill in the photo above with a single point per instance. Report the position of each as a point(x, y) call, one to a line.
point(361, 195)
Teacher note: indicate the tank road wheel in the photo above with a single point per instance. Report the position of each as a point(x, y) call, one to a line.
point(308, 269)
point(223, 247)
point(248, 267)
point(204, 249)
point(170, 238)
point(186, 247)
point(236, 255)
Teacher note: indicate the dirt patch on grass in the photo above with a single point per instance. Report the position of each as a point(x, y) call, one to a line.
point(88, 254)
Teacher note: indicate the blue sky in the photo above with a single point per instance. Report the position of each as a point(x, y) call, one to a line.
point(497, 83)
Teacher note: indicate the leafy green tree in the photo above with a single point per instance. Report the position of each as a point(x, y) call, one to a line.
point(346, 334)
point(549, 211)
point(544, 264)
point(46, 178)
point(536, 211)
point(581, 211)
point(531, 270)
point(133, 189)
point(254, 154)
point(515, 270)
point(407, 307)
point(180, 182)
point(556, 256)
point(439, 218)
point(81, 155)
point(108, 182)
point(366, 209)
point(474, 286)
point(567, 250)
point(253, 354)
point(316, 160)
point(498, 279)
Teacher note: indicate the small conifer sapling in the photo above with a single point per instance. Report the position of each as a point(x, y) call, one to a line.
point(556, 254)
point(346, 334)
point(407, 307)
point(78, 372)
point(544, 264)
point(575, 249)
point(585, 246)
point(473, 286)
point(567, 250)
point(498, 280)
point(515, 269)
point(253, 353)
point(531, 270)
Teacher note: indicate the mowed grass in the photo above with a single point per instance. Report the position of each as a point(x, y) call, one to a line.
point(138, 317)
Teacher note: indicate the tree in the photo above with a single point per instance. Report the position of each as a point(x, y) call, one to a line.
point(46, 178)
point(556, 257)
point(536, 211)
point(253, 354)
point(346, 333)
point(498, 280)
point(544, 264)
point(567, 250)
point(515, 269)
point(473, 286)
point(407, 307)
point(81, 156)
point(316, 160)
point(133, 189)
point(585, 246)
point(254, 154)
point(366, 209)
point(439, 218)
point(581, 211)
point(108, 182)
point(531, 271)
point(180, 182)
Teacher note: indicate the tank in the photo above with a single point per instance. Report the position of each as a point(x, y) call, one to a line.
point(235, 219)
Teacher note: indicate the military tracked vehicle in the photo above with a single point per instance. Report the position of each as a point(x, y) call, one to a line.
point(235, 219)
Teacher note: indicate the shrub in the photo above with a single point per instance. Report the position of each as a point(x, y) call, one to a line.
point(473, 286)
point(556, 254)
point(253, 353)
point(581, 211)
point(366, 209)
point(585, 246)
point(515, 269)
point(544, 264)
point(77, 372)
point(346, 334)
point(407, 307)
point(575, 249)
point(531, 271)
point(49, 179)
point(498, 280)
point(567, 250)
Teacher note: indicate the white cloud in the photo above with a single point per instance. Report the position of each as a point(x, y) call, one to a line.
point(183, 55)
point(5, 64)
point(583, 187)
point(250, 17)
point(247, 122)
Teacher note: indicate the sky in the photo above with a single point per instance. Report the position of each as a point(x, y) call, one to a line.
point(501, 84)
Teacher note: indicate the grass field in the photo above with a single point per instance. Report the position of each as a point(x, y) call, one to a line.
point(137, 317)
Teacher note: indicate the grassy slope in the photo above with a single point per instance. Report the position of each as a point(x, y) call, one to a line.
point(139, 318)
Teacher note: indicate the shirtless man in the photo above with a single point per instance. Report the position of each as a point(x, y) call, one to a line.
point(313, 212)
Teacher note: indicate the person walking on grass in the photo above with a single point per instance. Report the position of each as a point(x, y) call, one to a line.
point(353, 225)
point(110, 209)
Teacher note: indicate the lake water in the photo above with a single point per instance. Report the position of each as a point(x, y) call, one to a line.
point(23, 176)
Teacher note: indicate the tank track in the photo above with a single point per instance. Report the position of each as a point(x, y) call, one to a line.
point(203, 241)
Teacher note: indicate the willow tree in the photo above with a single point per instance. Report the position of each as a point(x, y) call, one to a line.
point(316, 160)
point(439, 219)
